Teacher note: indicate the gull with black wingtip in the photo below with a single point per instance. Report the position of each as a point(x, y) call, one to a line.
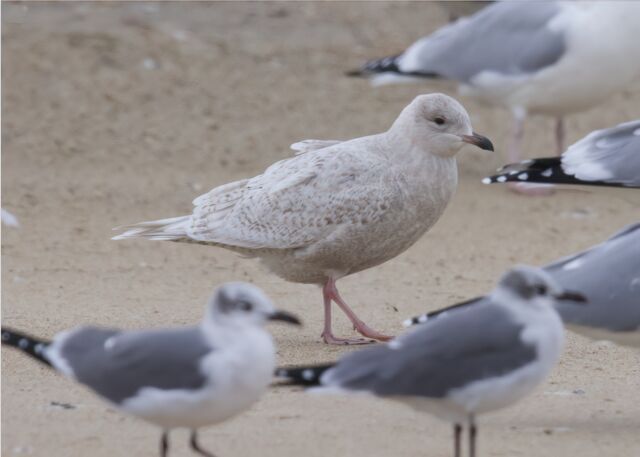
point(187, 377)
point(463, 364)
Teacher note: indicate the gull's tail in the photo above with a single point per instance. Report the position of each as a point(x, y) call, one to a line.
point(31, 346)
point(172, 229)
point(303, 376)
point(547, 170)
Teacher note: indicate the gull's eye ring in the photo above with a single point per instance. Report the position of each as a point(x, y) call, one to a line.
point(245, 306)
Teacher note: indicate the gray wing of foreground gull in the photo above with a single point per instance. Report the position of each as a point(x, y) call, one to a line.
point(447, 353)
point(118, 364)
point(508, 38)
point(608, 157)
point(609, 276)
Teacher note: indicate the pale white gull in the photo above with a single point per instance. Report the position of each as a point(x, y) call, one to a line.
point(188, 377)
point(549, 58)
point(608, 157)
point(336, 207)
point(461, 365)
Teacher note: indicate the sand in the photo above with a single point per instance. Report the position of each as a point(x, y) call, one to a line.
point(114, 114)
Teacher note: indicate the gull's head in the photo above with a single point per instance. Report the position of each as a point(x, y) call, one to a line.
point(534, 286)
point(439, 124)
point(243, 304)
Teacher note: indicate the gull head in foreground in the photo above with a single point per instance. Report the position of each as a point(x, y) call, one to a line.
point(463, 363)
point(336, 207)
point(188, 377)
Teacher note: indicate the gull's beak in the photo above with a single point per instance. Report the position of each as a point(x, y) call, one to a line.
point(284, 317)
point(571, 296)
point(478, 140)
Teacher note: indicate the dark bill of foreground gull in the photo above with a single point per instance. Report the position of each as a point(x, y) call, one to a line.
point(187, 377)
point(462, 365)
point(607, 275)
point(337, 207)
point(550, 58)
point(608, 157)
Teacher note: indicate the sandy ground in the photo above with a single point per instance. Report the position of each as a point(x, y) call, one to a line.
point(114, 114)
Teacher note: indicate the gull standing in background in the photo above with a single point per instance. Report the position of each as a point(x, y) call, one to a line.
point(608, 157)
point(549, 58)
point(607, 275)
point(336, 207)
point(461, 365)
point(175, 378)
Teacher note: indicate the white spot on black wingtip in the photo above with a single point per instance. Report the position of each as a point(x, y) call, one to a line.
point(548, 172)
point(501, 179)
point(486, 181)
point(523, 176)
point(308, 374)
point(23, 343)
point(38, 348)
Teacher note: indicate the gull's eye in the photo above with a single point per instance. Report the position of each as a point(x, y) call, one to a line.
point(541, 290)
point(439, 120)
point(245, 306)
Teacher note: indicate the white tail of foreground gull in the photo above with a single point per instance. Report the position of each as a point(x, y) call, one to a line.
point(607, 275)
point(336, 207)
point(549, 58)
point(608, 157)
point(462, 365)
point(184, 377)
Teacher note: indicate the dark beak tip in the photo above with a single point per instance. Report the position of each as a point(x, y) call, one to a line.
point(488, 146)
point(480, 141)
point(484, 142)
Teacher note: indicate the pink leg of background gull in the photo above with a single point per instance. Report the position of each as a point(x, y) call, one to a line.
point(515, 155)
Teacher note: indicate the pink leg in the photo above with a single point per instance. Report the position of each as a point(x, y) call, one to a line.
point(330, 293)
point(530, 189)
point(517, 134)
